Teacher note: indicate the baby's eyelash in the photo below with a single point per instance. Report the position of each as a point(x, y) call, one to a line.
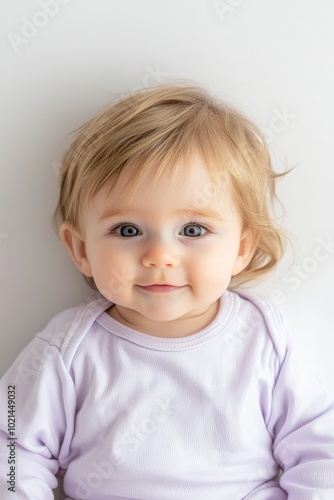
point(197, 223)
point(112, 230)
point(201, 224)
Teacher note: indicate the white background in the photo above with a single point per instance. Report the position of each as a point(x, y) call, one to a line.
point(63, 62)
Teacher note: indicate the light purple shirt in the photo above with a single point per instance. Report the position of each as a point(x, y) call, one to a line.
point(125, 415)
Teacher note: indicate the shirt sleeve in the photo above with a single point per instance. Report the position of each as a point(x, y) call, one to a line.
point(37, 401)
point(302, 426)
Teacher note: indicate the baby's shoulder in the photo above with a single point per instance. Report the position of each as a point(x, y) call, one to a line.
point(72, 324)
point(267, 317)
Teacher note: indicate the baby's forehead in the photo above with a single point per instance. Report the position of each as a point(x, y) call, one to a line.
point(178, 196)
point(189, 181)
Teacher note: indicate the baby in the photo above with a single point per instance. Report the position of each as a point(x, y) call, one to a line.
point(175, 384)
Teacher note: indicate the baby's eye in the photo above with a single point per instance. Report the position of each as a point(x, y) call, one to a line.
point(193, 230)
point(126, 230)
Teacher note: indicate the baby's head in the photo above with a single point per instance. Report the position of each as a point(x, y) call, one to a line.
point(163, 162)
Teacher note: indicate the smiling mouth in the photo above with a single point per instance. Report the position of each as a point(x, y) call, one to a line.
point(161, 288)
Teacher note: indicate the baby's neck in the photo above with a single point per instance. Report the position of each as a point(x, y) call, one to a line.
point(178, 328)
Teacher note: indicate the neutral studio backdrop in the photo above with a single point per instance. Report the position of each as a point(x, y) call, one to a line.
point(63, 60)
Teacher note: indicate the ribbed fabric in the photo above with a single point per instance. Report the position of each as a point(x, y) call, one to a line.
point(125, 415)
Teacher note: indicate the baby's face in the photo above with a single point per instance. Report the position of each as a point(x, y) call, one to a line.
point(166, 236)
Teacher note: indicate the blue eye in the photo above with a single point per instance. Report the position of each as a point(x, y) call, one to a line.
point(193, 230)
point(127, 231)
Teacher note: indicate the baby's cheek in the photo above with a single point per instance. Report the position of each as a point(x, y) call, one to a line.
point(199, 275)
point(213, 273)
point(208, 264)
point(115, 282)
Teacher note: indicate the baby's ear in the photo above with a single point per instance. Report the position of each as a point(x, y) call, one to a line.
point(248, 244)
point(76, 247)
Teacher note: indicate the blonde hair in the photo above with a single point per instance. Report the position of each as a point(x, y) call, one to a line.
point(159, 129)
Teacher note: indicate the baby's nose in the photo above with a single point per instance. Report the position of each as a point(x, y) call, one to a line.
point(160, 254)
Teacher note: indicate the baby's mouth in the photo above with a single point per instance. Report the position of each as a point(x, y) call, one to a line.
point(163, 288)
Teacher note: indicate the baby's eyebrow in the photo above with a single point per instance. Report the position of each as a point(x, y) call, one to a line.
point(207, 212)
point(113, 213)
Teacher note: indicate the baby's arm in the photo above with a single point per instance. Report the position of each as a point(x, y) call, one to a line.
point(36, 422)
point(302, 425)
